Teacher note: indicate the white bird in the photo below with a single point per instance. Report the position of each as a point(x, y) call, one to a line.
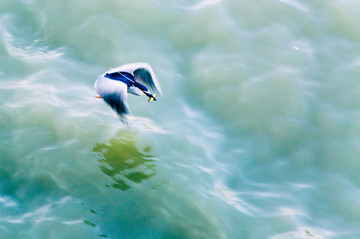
point(135, 78)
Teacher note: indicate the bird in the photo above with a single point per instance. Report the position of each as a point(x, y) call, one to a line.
point(135, 78)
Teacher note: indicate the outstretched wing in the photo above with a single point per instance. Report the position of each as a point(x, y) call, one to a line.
point(144, 77)
point(143, 74)
point(114, 93)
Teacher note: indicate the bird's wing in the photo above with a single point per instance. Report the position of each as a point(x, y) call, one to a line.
point(143, 74)
point(129, 68)
point(114, 93)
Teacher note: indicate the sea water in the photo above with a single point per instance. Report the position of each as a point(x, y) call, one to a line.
point(257, 134)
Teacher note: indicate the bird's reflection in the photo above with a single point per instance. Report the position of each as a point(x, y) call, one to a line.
point(121, 160)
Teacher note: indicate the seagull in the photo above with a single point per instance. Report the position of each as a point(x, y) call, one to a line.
point(135, 78)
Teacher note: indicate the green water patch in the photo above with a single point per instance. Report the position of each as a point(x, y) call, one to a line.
point(121, 160)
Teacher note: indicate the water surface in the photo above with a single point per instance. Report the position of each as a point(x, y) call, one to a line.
point(256, 136)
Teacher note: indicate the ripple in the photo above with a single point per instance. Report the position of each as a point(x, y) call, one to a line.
point(7, 202)
point(239, 204)
point(304, 232)
point(25, 47)
point(37, 215)
point(296, 5)
point(205, 3)
point(30, 53)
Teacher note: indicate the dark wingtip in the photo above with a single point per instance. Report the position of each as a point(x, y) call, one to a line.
point(145, 76)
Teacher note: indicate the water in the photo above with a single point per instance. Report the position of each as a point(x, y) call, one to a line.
point(256, 136)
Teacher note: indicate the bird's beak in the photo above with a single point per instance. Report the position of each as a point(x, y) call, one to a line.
point(98, 96)
point(152, 98)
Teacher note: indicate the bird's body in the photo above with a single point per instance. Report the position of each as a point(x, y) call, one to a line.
point(134, 78)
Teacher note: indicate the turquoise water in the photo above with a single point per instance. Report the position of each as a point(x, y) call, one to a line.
point(257, 134)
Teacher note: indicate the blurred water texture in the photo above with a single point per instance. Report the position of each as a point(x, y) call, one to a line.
point(256, 136)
